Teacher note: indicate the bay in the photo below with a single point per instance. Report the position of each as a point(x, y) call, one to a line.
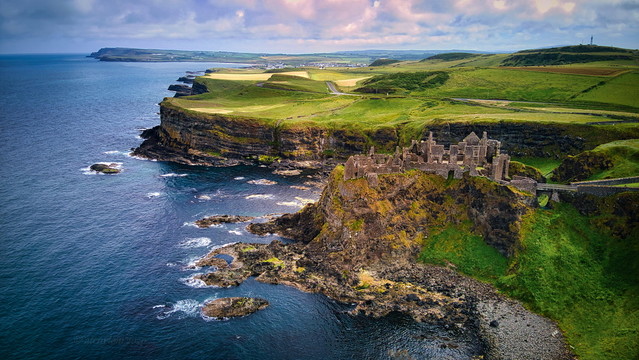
point(96, 266)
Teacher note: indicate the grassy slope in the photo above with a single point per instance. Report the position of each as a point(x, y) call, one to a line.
point(621, 90)
point(544, 165)
point(567, 269)
point(625, 157)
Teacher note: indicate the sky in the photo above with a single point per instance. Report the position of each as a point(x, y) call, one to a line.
point(306, 26)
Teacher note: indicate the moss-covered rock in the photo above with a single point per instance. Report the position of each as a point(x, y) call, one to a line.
point(109, 169)
point(517, 168)
point(581, 167)
point(233, 307)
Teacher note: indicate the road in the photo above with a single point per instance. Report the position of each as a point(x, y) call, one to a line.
point(334, 90)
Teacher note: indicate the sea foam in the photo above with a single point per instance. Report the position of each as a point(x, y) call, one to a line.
point(181, 308)
point(190, 243)
point(260, 196)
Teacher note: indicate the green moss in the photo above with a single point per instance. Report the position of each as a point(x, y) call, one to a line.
point(356, 225)
point(469, 253)
point(542, 200)
point(267, 159)
point(248, 248)
point(276, 262)
point(214, 153)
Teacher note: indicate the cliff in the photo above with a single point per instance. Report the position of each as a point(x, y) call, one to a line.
point(193, 137)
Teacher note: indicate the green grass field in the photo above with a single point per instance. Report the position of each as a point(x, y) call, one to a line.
point(567, 269)
point(622, 90)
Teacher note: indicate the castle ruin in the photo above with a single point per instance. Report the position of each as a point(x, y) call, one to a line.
point(478, 157)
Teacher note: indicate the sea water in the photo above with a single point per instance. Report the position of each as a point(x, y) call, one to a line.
point(98, 266)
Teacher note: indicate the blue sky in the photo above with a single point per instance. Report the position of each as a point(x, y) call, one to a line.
point(304, 26)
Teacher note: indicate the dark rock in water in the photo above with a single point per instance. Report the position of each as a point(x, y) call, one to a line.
point(180, 90)
point(105, 168)
point(186, 79)
point(494, 323)
point(233, 307)
point(221, 219)
point(224, 278)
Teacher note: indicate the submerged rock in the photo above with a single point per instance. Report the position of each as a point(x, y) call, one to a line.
point(105, 168)
point(221, 219)
point(233, 307)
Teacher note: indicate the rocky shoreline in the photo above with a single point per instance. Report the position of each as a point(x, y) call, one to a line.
point(427, 293)
point(359, 244)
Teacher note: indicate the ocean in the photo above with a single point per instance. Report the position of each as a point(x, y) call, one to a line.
point(97, 266)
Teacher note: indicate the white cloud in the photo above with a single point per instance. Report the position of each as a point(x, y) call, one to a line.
point(298, 25)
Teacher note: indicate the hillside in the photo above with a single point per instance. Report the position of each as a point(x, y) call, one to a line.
point(570, 55)
point(342, 57)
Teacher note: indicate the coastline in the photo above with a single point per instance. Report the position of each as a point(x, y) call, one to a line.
point(378, 277)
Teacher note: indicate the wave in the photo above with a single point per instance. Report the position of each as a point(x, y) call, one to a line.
point(181, 308)
point(152, 195)
point(191, 281)
point(190, 243)
point(139, 157)
point(262, 182)
point(299, 202)
point(235, 232)
point(239, 178)
point(290, 203)
point(259, 196)
point(113, 152)
point(203, 197)
point(173, 175)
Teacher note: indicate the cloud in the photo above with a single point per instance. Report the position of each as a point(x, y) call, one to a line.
point(304, 25)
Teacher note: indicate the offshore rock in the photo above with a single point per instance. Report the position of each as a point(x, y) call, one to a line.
point(109, 169)
point(233, 307)
point(221, 219)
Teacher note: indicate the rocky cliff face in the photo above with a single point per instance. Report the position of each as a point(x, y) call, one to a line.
point(358, 244)
point(355, 224)
point(215, 139)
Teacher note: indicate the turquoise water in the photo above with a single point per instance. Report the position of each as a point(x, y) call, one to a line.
point(96, 266)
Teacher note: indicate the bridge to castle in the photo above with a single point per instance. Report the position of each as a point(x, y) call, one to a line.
point(594, 187)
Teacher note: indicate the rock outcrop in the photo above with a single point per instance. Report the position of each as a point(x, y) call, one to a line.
point(581, 167)
point(221, 219)
point(233, 307)
point(358, 244)
point(109, 169)
point(180, 90)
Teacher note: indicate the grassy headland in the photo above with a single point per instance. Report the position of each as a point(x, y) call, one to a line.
point(409, 98)
point(574, 264)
